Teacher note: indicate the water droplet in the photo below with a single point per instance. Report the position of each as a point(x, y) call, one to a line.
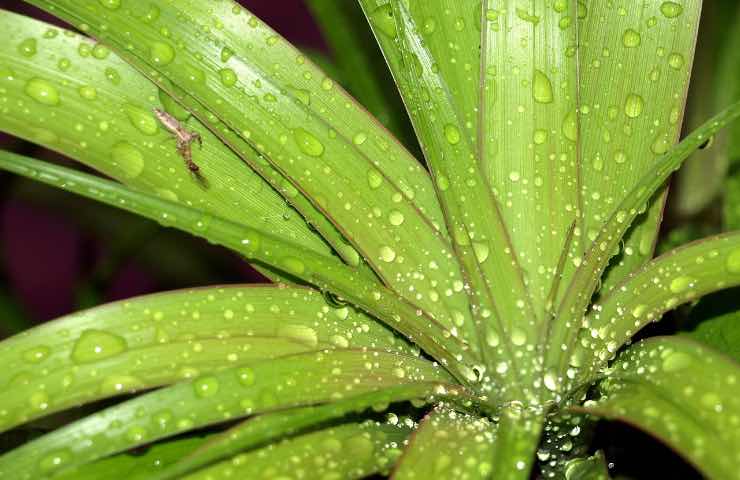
point(36, 354)
point(676, 61)
point(293, 265)
point(206, 387)
point(620, 157)
point(112, 75)
point(374, 179)
point(671, 9)
point(161, 53)
point(633, 105)
point(359, 138)
point(541, 88)
point(631, 38)
point(300, 333)
point(550, 380)
point(141, 119)
point(540, 136)
point(42, 91)
point(246, 376)
point(228, 77)
point(518, 337)
point(27, 47)
point(303, 95)
point(733, 262)
point(387, 254)
point(111, 4)
point(680, 284)
point(95, 345)
point(54, 460)
point(100, 51)
point(382, 18)
point(481, 251)
point(126, 157)
point(570, 126)
point(675, 361)
point(308, 143)
point(452, 134)
point(87, 92)
point(661, 144)
point(151, 15)
point(395, 218)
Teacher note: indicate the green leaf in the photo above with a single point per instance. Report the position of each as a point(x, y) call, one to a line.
point(528, 132)
point(589, 468)
point(684, 394)
point(344, 27)
point(323, 143)
point(634, 68)
point(680, 276)
point(715, 321)
point(327, 274)
point(103, 117)
point(586, 278)
point(518, 434)
point(347, 452)
point(271, 426)
point(432, 48)
point(449, 444)
point(132, 467)
point(297, 380)
point(121, 347)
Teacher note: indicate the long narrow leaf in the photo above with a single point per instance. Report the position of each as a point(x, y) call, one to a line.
point(260, 246)
point(75, 96)
point(347, 452)
point(121, 347)
point(679, 276)
point(683, 393)
point(298, 380)
point(267, 94)
point(586, 278)
point(448, 444)
point(626, 126)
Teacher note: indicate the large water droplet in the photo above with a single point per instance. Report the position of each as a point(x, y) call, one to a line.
point(633, 105)
point(228, 77)
point(680, 284)
point(675, 361)
point(631, 38)
point(481, 251)
point(671, 9)
point(206, 387)
point(111, 4)
point(308, 143)
point(733, 262)
point(126, 157)
point(452, 134)
point(570, 126)
point(541, 87)
point(382, 18)
point(161, 53)
point(300, 333)
point(27, 47)
point(142, 119)
point(387, 254)
point(96, 345)
point(36, 354)
point(42, 91)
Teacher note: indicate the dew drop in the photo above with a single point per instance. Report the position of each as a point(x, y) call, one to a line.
point(481, 251)
point(246, 376)
point(42, 91)
point(541, 88)
point(452, 134)
point(395, 218)
point(518, 337)
point(680, 284)
point(87, 92)
point(733, 262)
point(570, 126)
point(27, 47)
point(206, 387)
point(308, 143)
point(161, 53)
point(359, 138)
point(671, 9)
point(676, 61)
point(382, 18)
point(126, 157)
point(293, 265)
point(675, 361)
point(141, 119)
point(387, 254)
point(633, 105)
point(110, 4)
point(228, 77)
point(54, 461)
point(36, 354)
point(374, 179)
point(631, 38)
point(95, 345)
point(300, 333)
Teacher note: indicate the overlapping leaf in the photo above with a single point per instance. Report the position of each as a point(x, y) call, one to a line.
point(297, 380)
point(264, 92)
point(448, 444)
point(683, 393)
point(160, 339)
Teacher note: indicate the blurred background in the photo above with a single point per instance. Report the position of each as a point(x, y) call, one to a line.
point(60, 253)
